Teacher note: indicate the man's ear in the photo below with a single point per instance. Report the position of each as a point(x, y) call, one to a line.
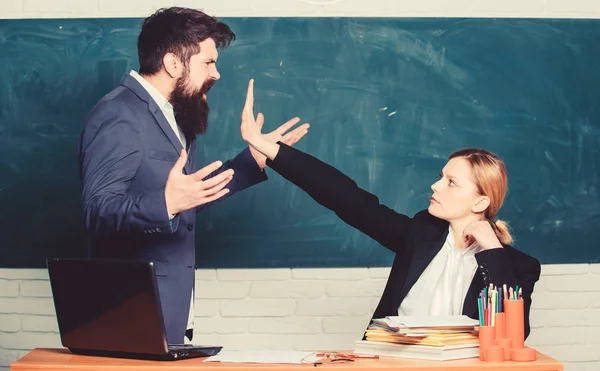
point(172, 64)
point(481, 204)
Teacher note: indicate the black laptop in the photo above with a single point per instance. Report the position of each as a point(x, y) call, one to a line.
point(112, 308)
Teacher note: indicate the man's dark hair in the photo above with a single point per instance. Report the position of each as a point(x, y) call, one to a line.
point(179, 31)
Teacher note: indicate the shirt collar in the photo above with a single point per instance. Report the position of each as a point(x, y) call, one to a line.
point(160, 99)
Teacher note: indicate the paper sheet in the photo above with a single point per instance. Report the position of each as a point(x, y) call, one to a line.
point(264, 356)
point(430, 321)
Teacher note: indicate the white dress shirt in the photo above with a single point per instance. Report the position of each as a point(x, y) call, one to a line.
point(443, 285)
point(163, 103)
point(167, 110)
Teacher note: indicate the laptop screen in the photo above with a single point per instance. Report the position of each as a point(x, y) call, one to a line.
point(107, 305)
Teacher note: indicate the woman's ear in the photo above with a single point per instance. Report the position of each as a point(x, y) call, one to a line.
point(172, 64)
point(481, 204)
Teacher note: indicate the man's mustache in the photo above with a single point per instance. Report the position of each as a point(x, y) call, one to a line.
point(206, 86)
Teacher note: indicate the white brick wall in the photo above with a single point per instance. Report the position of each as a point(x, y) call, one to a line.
point(309, 308)
point(308, 8)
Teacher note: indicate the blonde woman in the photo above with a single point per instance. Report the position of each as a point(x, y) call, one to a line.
point(446, 254)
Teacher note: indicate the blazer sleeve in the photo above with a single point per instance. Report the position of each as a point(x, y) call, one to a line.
point(110, 154)
point(507, 266)
point(246, 174)
point(337, 192)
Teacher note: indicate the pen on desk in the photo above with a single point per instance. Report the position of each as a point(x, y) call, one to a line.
point(347, 355)
point(361, 356)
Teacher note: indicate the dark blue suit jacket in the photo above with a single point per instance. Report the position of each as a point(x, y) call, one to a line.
point(127, 149)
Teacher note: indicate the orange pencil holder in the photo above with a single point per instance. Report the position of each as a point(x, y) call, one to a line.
point(524, 354)
point(499, 323)
point(494, 353)
point(514, 323)
point(487, 335)
point(515, 331)
point(505, 344)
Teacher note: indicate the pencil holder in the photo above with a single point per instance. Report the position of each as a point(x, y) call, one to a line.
point(499, 323)
point(523, 354)
point(514, 323)
point(494, 353)
point(506, 345)
point(486, 339)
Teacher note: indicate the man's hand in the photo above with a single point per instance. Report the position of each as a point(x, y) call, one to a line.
point(184, 192)
point(251, 129)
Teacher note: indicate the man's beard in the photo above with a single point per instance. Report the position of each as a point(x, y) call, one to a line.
point(190, 107)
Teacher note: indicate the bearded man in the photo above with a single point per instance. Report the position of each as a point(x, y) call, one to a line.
point(138, 157)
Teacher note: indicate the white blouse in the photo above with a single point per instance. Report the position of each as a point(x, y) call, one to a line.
point(443, 285)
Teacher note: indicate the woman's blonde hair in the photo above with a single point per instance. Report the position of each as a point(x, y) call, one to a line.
point(491, 181)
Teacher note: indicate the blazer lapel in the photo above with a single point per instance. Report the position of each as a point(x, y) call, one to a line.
point(424, 252)
point(191, 151)
point(165, 126)
point(470, 307)
point(131, 83)
point(422, 256)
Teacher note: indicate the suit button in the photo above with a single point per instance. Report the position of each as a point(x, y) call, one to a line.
point(190, 227)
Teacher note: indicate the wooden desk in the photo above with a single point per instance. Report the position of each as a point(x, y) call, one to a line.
point(63, 360)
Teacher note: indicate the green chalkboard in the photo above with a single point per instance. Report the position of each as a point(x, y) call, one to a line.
point(388, 101)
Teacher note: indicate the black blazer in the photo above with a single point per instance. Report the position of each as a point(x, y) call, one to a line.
point(415, 240)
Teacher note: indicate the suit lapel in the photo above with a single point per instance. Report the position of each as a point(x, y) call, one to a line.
point(165, 126)
point(191, 150)
point(423, 254)
point(131, 83)
point(470, 307)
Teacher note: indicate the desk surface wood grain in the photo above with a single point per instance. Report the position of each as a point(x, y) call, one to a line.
point(43, 359)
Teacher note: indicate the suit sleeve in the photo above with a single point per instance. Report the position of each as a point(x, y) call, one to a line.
point(337, 192)
point(246, 174)
point(110, 154)
point(497, 268)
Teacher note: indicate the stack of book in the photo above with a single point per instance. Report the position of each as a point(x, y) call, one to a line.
point(425, 337)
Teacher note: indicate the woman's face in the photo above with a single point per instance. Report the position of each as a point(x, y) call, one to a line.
point(455, 194)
